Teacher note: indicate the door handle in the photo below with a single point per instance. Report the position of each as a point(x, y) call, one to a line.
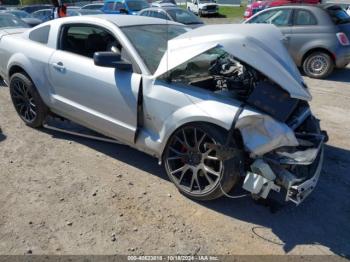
point(59, 66)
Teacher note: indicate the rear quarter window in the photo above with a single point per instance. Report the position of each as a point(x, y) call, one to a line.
point(40, 35)
point(304, 17)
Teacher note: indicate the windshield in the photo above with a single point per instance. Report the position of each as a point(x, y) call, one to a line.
point(137, 5)
point(338, 15)
point(183, 16)
point(11, 21)
point(156, 37)
point(21, 14)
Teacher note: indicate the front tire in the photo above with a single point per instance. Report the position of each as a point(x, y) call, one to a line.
point(318, 65)
point(195, 170)
point(27, 101)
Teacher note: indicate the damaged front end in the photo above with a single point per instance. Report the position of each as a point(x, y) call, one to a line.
point(274, 136)
point(293, 170)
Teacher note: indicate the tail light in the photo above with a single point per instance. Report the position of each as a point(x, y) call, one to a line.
point(343, 39)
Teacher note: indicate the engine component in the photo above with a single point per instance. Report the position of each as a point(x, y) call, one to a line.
point(259, 185)
point(273, 100)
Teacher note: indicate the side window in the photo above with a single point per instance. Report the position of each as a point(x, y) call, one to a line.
point(279, 17)
point(161, 15)
point(304, 17)
point(110, 6)
point(152, 14)
point(40, 35)
point(85, 40)
point(118, 6)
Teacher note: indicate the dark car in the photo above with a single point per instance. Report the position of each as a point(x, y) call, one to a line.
point(317, 37)
point(173, 13)
point(26, 17)
point(32, 8)
point(130, 7)
point(44, 14)
point(11, 21)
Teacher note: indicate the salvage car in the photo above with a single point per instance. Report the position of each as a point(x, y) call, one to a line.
point(173, 13)
point(213, 109)
point(11, 21)
point(317, 37)
point(25, 17)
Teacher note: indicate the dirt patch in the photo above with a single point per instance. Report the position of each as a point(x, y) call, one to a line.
point(60, 194)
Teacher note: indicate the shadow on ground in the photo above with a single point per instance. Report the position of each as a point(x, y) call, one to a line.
point(340, 75)
point(323, 219)
point(2, 136)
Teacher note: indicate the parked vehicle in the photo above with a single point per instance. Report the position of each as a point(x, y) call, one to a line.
point(203, 7)
point(258, 6)
point(131, 7)
point(25, 17)
point(173, 13)
point(96, 6)
point(317, 37)
point(11, 21)
point(80, 12)
point(212, 108)
point(32, 8)
point(44, 15)
point(158, 4)
point(164, 3)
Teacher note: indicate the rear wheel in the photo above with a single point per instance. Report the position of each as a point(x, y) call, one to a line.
point(27, 100)
point(318, 65)
point(196, 170)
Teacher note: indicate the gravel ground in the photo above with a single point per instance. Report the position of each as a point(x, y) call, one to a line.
point(60, 194)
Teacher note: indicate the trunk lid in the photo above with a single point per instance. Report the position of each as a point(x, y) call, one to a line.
point(259, 46)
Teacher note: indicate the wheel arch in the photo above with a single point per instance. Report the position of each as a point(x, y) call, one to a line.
point(19, 63)
point(173, 130)
point(317, 49)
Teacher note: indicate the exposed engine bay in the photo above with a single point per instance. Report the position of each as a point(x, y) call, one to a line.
point(292, 163)
point(227, 75)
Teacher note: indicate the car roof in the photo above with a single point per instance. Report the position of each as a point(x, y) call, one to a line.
point(165, 8)
point(119, 20)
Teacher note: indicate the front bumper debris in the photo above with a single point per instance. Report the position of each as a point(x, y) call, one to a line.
point(298, 192)
point(296, 169)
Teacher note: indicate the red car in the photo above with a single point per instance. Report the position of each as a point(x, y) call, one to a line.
point(257, 6)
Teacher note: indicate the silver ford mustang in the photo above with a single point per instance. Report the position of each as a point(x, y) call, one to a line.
point(214, 104)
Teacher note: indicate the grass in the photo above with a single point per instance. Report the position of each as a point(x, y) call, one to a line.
point(232, 13)
point(229, 12)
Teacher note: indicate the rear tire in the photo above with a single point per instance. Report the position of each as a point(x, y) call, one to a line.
point(195, 170)
point(27, 101)
point(318, 65)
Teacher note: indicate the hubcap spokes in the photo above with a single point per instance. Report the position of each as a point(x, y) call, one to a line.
point(23, 101)
point(193, 167)
point(317, 65)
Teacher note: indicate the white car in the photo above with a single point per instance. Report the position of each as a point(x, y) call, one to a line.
point(203, 7)
point(348, 10)
point(213, 109)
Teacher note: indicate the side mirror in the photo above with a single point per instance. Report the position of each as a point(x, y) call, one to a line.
point(111, 59)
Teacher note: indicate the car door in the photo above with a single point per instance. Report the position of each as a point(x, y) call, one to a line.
point(103, 99)
point(280, 17)
point(305, 30)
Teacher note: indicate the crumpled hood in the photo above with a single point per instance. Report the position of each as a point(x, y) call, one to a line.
point(259, 46)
